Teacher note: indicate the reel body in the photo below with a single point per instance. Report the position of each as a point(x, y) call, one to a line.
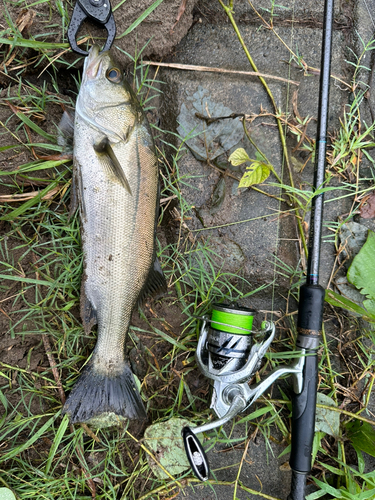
point(229, 353)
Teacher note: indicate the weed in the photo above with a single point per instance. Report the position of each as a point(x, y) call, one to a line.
point(41, 264)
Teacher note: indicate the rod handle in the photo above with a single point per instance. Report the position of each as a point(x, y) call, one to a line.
point(298, 486)
point(310, 316)
point(310, 313)
point(303, 417)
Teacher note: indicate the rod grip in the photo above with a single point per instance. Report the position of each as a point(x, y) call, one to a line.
point(298, 486)
point(310, 317)
point(303, 417)
point(310, 311)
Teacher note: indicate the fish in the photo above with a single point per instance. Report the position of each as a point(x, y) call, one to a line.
point(116, 185)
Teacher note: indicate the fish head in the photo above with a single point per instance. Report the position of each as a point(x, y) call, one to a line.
point(105, 99)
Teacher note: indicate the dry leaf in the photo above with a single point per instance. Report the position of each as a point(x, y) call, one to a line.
point(25, 19)
point(367, 209)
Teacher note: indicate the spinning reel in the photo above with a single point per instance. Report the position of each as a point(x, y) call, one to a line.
point(229, 356)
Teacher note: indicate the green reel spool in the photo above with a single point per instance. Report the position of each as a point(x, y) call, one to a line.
point(237, 320)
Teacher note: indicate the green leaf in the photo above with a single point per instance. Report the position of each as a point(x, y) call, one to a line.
point(239, 157)
point(33, 44)
point(370, 306)
point(318, 436)
point(315, 495)
point(25, 280)
point(338, 300)
point(362, 435)
point(329, 489)
point(26, 120)
point(6, 494)
point(19, 449)
point(361, 460)
point(326, 420)
point(255, 414)
point(256, 173)
point(287, 450)
point(34, 166)
point(362, 270)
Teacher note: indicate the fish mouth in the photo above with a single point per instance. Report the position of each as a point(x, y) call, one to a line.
point(93, 63)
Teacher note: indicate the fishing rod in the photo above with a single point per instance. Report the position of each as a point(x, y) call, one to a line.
point(311, 302)
point(229, 357)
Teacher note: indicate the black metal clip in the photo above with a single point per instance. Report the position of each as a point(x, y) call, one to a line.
point(100, 12)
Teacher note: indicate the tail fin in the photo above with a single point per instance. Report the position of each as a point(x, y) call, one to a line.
point(95, 394)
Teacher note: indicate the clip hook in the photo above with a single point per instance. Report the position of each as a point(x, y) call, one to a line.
point(100, 12)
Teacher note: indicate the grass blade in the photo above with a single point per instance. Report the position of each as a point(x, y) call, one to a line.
point(28, 204)
point(56, 442)
point(141, 18)
point(19, 449)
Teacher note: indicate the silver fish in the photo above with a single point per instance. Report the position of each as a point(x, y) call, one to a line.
point(116, 180)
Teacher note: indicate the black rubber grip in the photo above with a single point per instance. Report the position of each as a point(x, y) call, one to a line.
point(310, 311)
point(303, 416)
point(310, 314)
point(298, 486)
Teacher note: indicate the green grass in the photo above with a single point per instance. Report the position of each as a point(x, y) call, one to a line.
point(41, 455)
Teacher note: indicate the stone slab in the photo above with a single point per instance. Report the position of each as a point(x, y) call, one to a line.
point(217, 46)
point(292, 11)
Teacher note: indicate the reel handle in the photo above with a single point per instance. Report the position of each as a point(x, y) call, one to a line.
point(193, 447)
point(195, 454)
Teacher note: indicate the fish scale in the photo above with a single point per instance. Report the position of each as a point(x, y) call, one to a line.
point(117, 173)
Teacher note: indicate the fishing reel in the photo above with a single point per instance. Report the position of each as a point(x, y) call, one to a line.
point(229, 353)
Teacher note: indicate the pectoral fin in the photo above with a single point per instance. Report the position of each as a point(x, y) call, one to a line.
point(104, 148)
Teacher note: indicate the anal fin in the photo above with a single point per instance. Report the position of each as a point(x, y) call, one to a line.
point(88, 311)
point(155, 283)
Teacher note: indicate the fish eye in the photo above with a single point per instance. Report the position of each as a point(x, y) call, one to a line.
point(114, 75)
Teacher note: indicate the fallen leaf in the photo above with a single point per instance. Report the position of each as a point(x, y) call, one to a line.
point(6, 494)
point(25, 19)
point(327, 421)
point(367, 209)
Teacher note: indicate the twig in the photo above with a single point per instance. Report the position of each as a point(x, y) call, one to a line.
point(28, 196)
point(190, 67)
